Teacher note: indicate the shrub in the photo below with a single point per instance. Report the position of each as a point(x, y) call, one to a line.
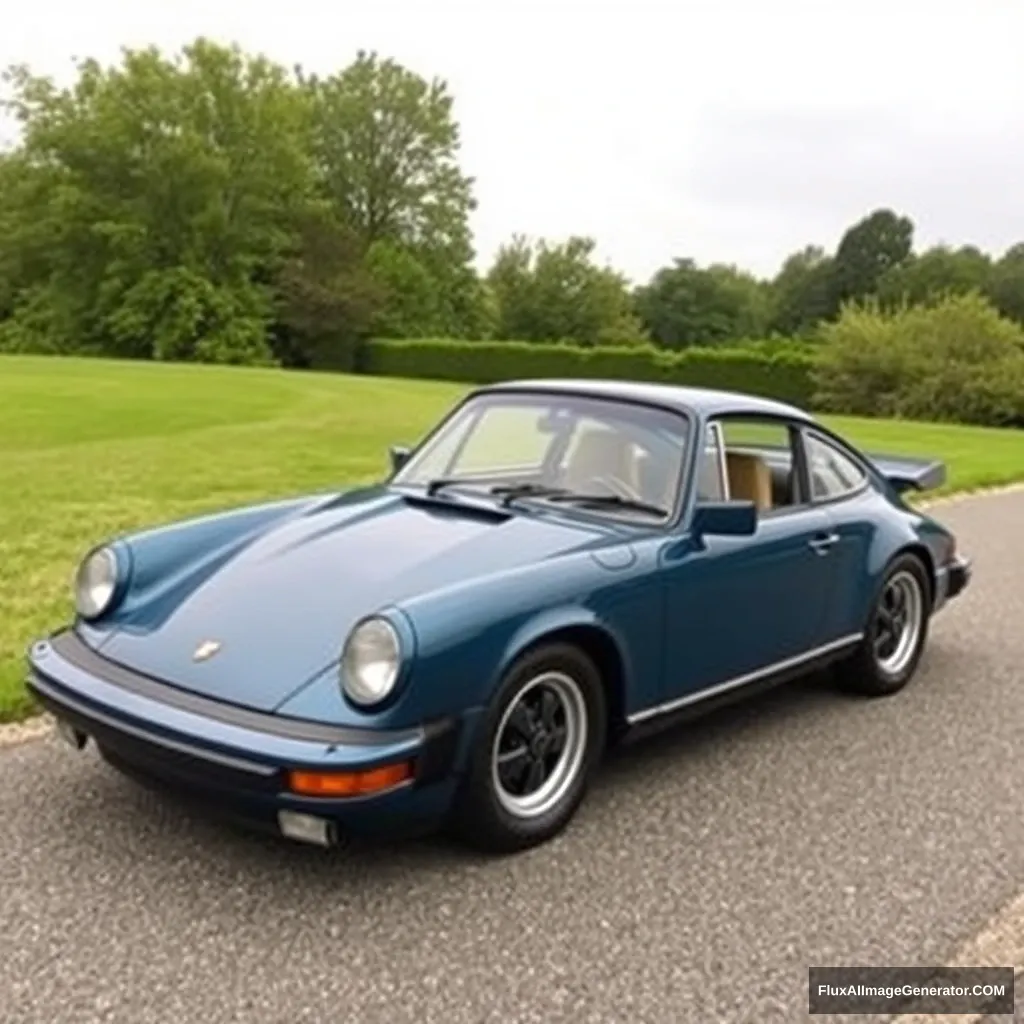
point(955, 360)
point(785, 375)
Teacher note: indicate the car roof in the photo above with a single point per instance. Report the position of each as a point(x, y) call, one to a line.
point(703, 401)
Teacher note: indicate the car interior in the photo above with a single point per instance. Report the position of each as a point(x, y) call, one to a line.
point(602, 453)
point(766, 479)
point(757, 458)
point(759, 473)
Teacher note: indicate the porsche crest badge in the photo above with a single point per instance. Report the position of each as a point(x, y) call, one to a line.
point(207, 649)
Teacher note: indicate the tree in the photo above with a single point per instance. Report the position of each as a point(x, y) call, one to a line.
point(14, 177)
point(869, 249)
point(386, 147)
point(556, 292)
point(412, 305)
point(1006, 283)
point(801, 293)
point(937, 271)
point(954, 359)
point(326, 297)
point(158, 197)
point(689, 305)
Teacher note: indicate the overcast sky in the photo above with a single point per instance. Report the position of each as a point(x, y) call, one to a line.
point(735, 130)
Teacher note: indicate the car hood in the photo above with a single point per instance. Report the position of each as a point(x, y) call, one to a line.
point(281, 607)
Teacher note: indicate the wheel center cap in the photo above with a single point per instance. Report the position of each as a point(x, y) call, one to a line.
point(539, 743)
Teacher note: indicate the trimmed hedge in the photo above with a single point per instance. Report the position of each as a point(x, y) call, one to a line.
point(783, 374)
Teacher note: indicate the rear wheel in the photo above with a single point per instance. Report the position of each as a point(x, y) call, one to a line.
point(894, 640)
point(538, 744)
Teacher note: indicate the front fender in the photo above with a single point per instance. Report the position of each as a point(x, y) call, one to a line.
point(553, 620)
point(468, 636)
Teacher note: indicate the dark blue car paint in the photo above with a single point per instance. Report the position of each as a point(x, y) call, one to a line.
point(327, 568)
point(671, 615)
point(724, 588)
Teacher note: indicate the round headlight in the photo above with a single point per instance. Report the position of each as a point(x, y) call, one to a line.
point(370, 662)
point(95, 583)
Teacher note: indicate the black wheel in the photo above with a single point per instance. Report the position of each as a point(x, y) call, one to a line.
point(538, 744)
point(897, 630)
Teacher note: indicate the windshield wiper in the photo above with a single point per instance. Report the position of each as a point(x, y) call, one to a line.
point(509, 492)
point(441, 482)
point(612, 501)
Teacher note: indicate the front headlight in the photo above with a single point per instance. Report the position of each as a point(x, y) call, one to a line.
point(370, 662)
point(96, 583)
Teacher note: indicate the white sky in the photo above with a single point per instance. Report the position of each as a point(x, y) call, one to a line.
point(722, 130)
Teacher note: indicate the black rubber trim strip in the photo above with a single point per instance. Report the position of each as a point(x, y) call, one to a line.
point(440, 745)
point(959, 577)
point(105, 729)
point(69, 646)
point(168, 758)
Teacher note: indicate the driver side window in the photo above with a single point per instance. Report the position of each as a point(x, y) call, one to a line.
point(751, 458)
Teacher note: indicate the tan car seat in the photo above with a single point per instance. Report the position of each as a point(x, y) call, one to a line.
point(601, 453)
point(750, 479)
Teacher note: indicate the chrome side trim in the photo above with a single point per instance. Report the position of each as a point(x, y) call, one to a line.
point(750, 677)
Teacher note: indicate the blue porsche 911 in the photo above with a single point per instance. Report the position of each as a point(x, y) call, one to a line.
point(557, 567)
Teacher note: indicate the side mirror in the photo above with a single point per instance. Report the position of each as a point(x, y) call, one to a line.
point(725, 519)
point(399, 457)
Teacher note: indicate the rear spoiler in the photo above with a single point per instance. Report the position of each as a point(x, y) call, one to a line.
point(907, 474)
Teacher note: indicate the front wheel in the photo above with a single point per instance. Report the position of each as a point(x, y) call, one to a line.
point(894, 640)
point(538, 743)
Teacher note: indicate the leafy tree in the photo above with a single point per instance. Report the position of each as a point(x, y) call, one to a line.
point(411, 306)
point(386, 148)
point(689, 305)
point(1006, 283)
point(954, 359)
point(937, 271)
point(156, 197)
point(13, 179)
point(326, 297)
point(801, 293)
point(867, 250)
point(556, 292)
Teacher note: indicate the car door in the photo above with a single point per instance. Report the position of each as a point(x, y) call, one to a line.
point(741, 606)
point(841, 486)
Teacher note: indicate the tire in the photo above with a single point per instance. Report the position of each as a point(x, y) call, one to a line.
point(886, 661)
point(496, 811)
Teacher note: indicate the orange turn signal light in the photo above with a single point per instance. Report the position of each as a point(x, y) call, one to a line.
point(342, 784)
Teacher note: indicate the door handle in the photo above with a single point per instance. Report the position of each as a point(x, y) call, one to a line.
point(823, 542)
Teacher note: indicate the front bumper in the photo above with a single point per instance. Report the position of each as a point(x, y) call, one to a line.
point(235, 761)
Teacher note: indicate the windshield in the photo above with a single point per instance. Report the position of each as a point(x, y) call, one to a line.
point(548, 447)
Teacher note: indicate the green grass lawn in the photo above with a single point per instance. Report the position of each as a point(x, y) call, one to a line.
point(91, 448)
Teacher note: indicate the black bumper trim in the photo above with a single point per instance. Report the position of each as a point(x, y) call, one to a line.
point(959, 577)
point(437, 756)
point(168, 756)
point(69, 646)
point(164, 756)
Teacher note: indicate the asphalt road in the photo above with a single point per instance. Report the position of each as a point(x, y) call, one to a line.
point(704, 874)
